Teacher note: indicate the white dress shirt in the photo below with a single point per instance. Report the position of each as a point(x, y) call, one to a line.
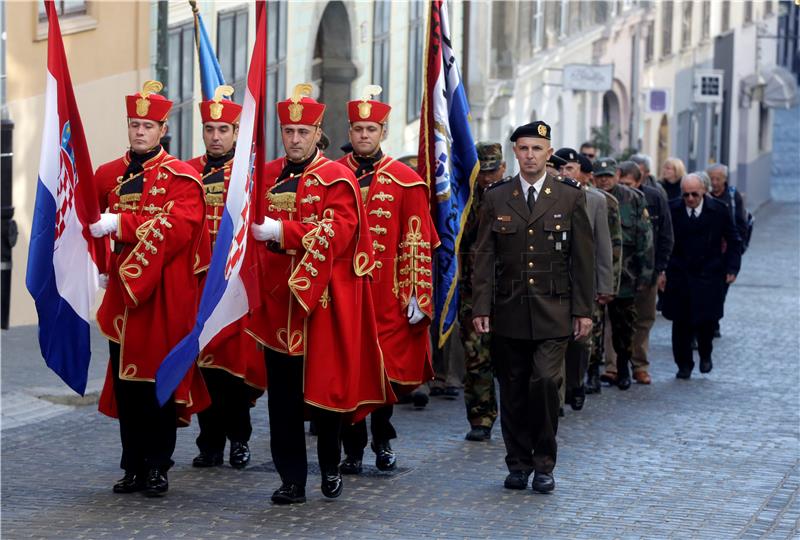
point(536, 185)
point(697, 211)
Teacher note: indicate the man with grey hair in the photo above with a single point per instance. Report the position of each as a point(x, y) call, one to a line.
point(645, 164)
point(730, 196)
point(697, 272)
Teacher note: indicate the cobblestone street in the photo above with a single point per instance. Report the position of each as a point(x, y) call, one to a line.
point(716, 456)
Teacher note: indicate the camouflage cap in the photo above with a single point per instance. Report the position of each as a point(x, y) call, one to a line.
point(605, 166)
point(490, 154)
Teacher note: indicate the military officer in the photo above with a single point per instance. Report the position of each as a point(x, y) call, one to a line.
point(316, 321)
point(661, 223)
point(231, 364)
point(533, 286)
point(397, 202)
point(637, 267)
point(577, 356)
point(156, 218)
point(479, 393)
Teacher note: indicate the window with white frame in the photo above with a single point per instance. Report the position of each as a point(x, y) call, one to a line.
point(64, 8)
point(538, 24)
point(705, 28)
point(381, 35)
point(416, 46)
point(686, 24)
point(666, 29)
point(180, 89)
point(276, 72)
point(232, 49)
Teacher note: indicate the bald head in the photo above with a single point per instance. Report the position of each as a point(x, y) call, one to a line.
point(692, 190)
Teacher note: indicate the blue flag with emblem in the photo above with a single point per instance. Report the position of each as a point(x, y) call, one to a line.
point(210, 72)
point(448, 162)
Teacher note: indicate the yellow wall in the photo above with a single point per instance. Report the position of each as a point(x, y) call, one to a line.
point(106, 62)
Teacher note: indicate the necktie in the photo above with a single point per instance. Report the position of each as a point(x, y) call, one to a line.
point(531, 198)
point(693, 214)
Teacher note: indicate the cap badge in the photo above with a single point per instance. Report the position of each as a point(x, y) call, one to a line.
point(603, 164)
point(296, 108)
point(547, 191)
point(216, 108)
point(143, 103)
point(542, 130)
point(365, 107)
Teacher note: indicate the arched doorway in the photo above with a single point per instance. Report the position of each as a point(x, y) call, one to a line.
point(333, 72)
point(663, 143)
point(612, 119)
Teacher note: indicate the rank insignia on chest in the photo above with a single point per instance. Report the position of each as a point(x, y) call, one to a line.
point(503, 218)
point(547, 191)
point(556, 216)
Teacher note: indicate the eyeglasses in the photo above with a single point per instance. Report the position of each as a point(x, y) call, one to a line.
point(692, 194)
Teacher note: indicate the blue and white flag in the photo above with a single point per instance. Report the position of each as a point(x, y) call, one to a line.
point(448, 161)
point(210, 73)
point(225, 297)
point(64, 261)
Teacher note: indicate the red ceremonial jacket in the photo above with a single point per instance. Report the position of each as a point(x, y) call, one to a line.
point(232, 349)
point(316, 297)
point(154, 280)
point(397, 202)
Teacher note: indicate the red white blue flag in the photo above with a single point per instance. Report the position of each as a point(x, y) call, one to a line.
point(63, 259)
point(225, 296)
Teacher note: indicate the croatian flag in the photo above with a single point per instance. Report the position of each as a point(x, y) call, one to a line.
point(225, 296)
point(63, 259)
point(447, 161)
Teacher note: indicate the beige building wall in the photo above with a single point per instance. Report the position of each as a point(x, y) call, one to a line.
point(108, 55)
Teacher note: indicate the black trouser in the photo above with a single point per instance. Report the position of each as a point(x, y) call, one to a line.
point(682, 333)
point(229, 413)
point(622, 315)
point(529, 373)
point(286, 416)
point(354, 437)
point(147, 431)
point(576, 362)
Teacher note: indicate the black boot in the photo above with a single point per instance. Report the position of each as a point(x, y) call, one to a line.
point(623, 373)
point(593, 385)
point(240, 455)
point(332, 483)
point(385, 460)
point(578, 398)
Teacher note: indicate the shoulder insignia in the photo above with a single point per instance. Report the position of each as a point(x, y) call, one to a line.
point(505, 180)
point(570, 182)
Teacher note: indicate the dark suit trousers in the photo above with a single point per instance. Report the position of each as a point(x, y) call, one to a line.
point(286, 421)
point(228, 417)
point(529, 373)
point(354, 437)
point(576, 363)
point(682, 333)
point(147, 431)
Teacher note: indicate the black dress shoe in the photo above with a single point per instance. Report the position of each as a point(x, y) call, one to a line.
point(437, 391)
point(157, 483)
point(289, 494)
point(479, 434)
point(419, 399)
point(240, 455)
point(578, 399)
point(351, 465)
point(683, 373)
point(561, 412)
point(207, 459)
point(332, 484)
point(624, 382)
point(705, 365)
point(543, 482)
point(385, 460)
point(516, 480)
point(130, 483)
point(593, 385)
point(451, 392)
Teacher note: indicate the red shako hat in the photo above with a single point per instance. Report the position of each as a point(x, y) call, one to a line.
point(220, 109)
point(368, 110)
point(301, 109)
point(148, 104)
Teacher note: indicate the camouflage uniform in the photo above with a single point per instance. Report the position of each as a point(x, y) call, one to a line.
point(637, 269)
point(615, 228)
point(479, 393)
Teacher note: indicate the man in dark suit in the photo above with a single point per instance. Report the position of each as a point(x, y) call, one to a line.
point(698, 272)
point(533, 287)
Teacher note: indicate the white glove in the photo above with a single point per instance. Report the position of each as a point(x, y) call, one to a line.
point(107, 225)
point(269, 230)
point(413, 312)
point(102, 280)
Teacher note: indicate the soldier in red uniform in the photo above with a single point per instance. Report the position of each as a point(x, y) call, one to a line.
point(156, 219)
point(397, 201)
point(316, 320)
point(231, 364)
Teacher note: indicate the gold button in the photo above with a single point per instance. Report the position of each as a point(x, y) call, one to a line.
point(558, 227)
point(530, 265)
point(530, 281)
point(502, 228)
point(530, 248)
point(530, 231)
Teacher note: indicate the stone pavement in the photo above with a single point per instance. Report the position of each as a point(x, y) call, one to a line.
point(713, 457)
